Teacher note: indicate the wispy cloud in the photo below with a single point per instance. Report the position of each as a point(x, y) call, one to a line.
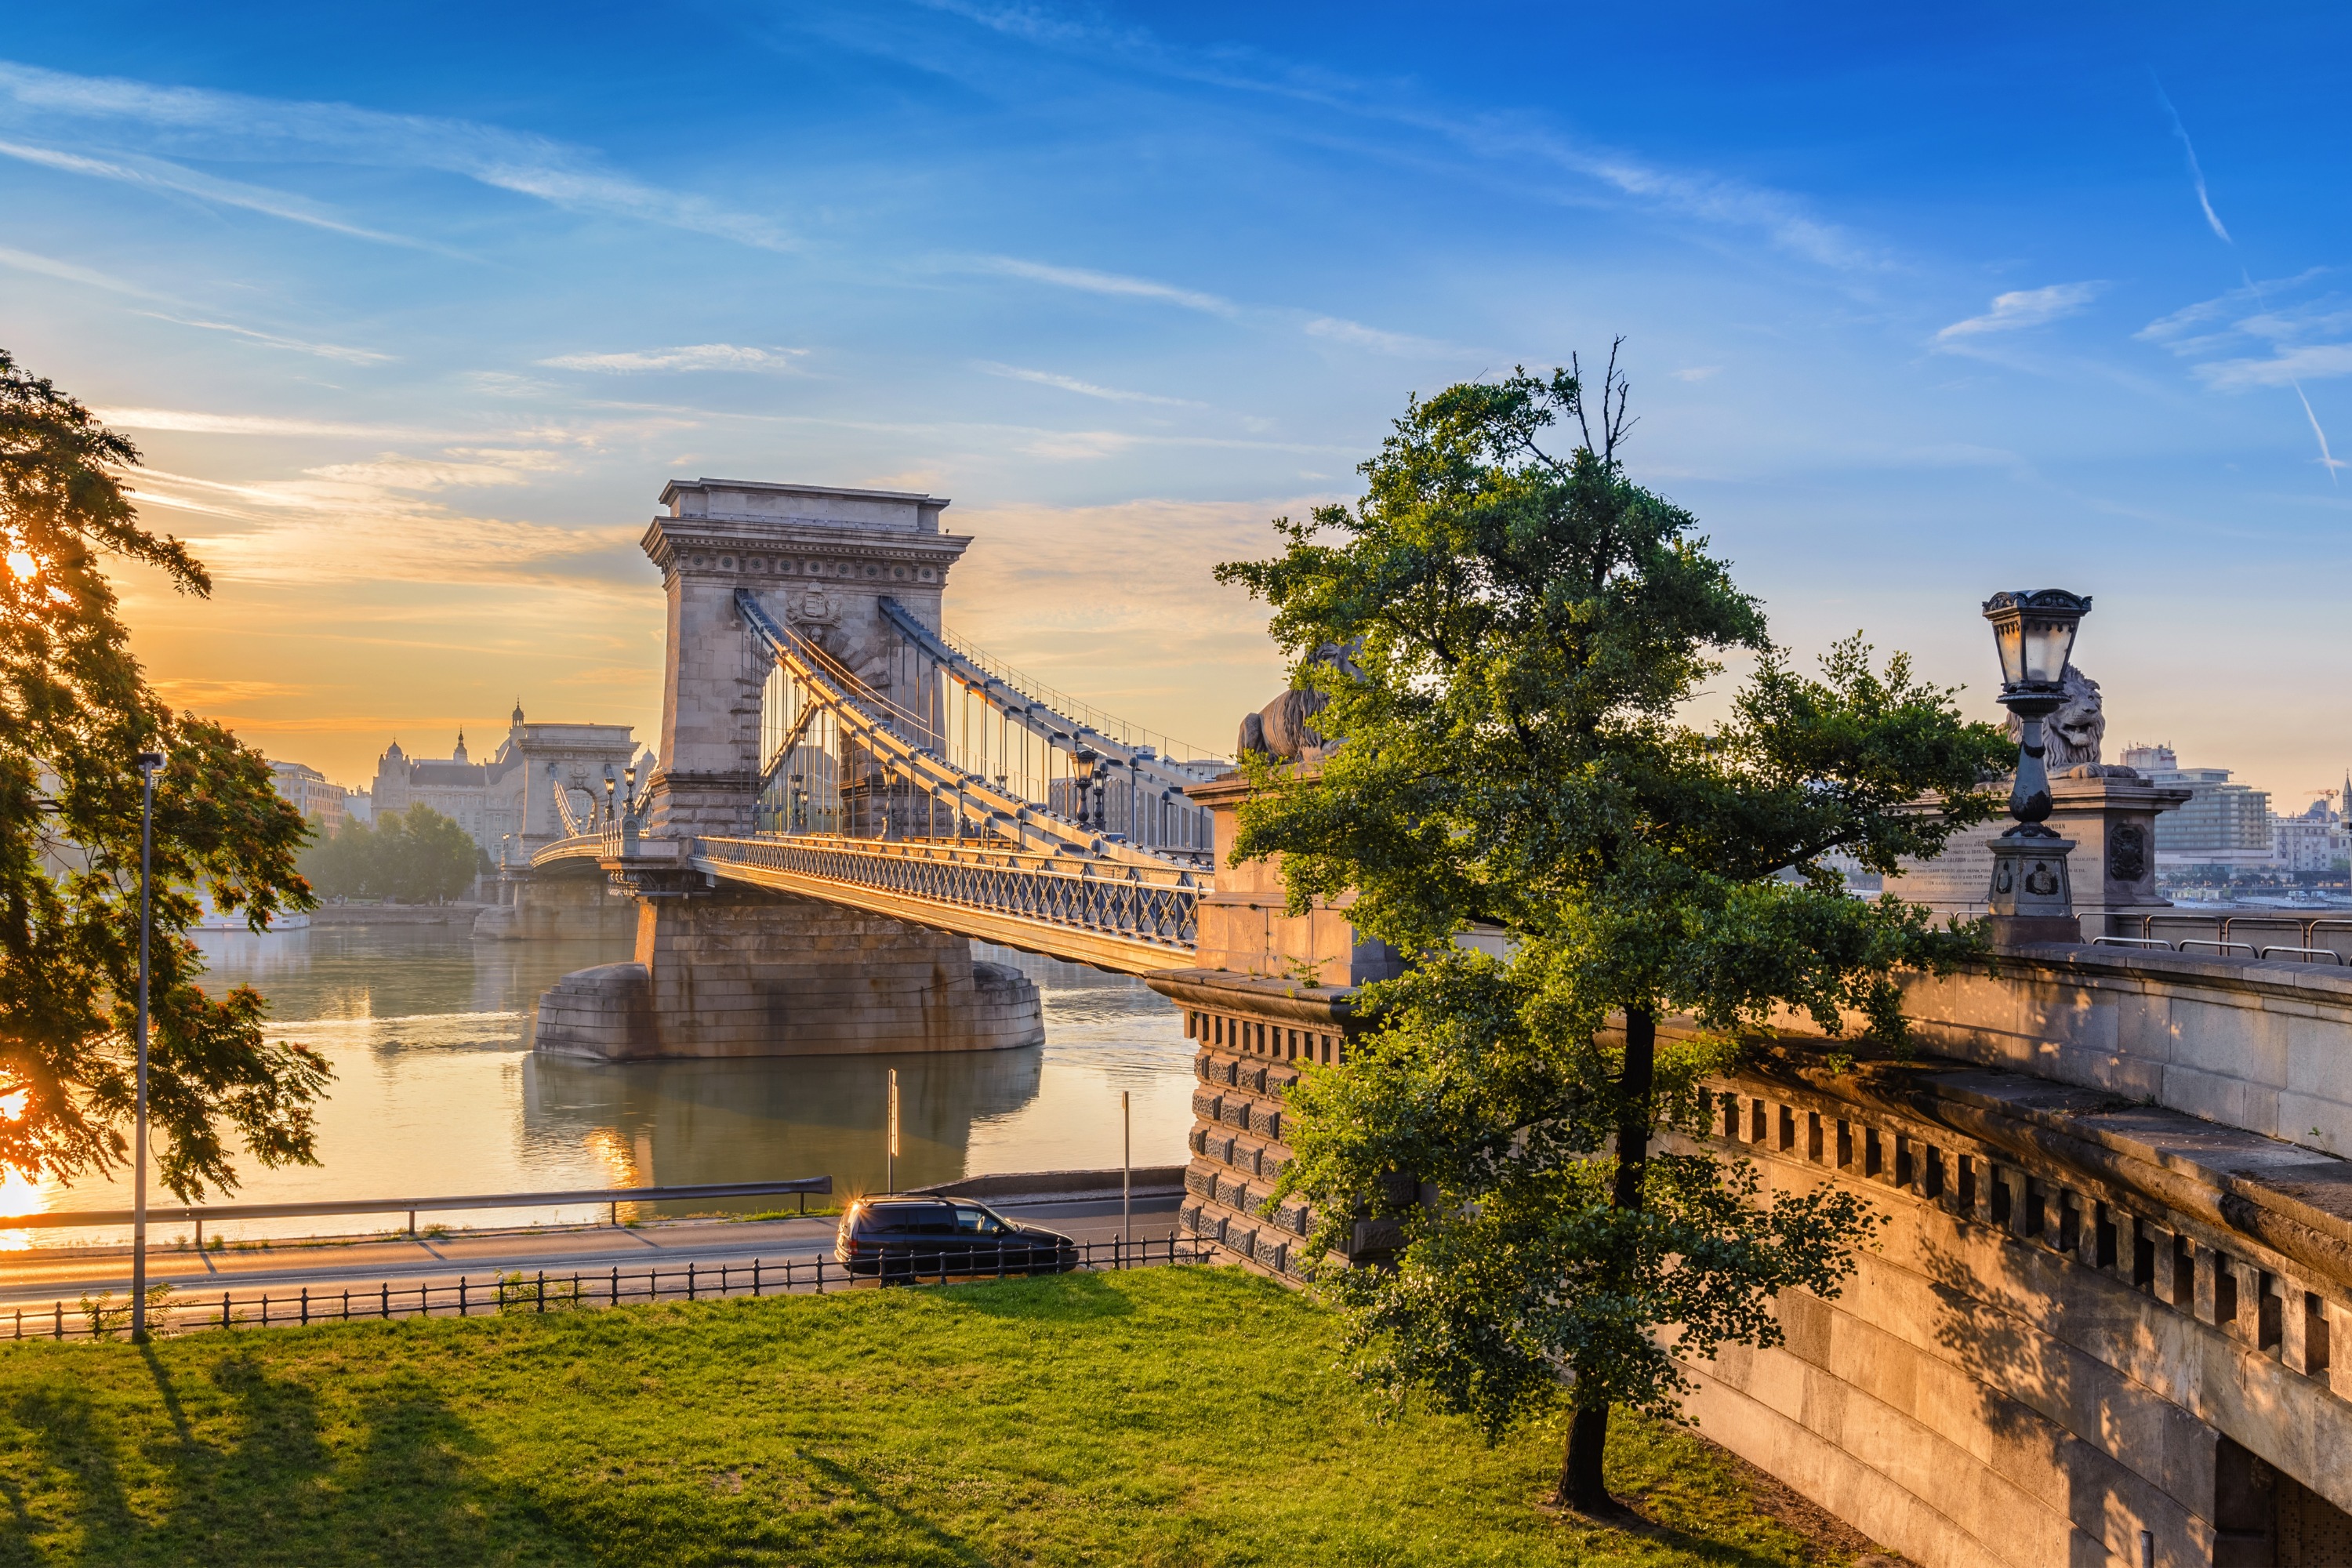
point(1512, 141)
point(693, 356)
point(384, 526)
point(272, 340)
point(2196, 170)
point(156, 174)
point(1357, 335)
point(1697, 371)
point(2251, 372)
point(49, 266)
point(2023, 308)
point(1082, 388)
point(200, 123)
point(198, 422)
point(2289, 367)
point(1089, 281)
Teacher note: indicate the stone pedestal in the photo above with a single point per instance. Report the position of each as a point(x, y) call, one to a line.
point(722, 974)
point(2110, 817)
point(1246, 927)
point(1268, 1002)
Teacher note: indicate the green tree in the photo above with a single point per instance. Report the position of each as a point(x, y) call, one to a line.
point(1529, 631)
point(75, 710)
point(423, 856)
point(414, 856)
point(340, 864)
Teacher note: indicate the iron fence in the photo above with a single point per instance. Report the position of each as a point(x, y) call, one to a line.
point(172, 1312)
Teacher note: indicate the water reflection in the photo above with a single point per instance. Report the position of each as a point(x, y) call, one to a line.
point(435, 1094)
point(678, 1124)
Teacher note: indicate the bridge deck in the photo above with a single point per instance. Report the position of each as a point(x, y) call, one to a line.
point(1130, 920)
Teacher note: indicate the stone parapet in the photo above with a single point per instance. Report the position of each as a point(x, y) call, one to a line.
point(1246, 927)
point(2263, 1046)
point(2085, 1318)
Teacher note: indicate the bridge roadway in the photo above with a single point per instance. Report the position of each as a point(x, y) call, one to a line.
point(42, 1277)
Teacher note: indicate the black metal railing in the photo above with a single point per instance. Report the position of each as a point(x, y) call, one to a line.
point(611, 1197)
point(172, 1311)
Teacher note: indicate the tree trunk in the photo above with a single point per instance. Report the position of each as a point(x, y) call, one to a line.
point(1580, 1485)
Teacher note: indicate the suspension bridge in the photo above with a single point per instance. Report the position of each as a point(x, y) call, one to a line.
point(898, 770)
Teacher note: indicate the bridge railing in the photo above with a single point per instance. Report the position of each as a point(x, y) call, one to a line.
point(2278, 936)
point(1158, 906)
point(598, 845)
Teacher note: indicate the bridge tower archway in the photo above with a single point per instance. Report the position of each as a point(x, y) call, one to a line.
point(817, 559)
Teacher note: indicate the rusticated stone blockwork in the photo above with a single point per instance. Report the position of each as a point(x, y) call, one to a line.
point(2091, 1333)
point(1253, 1039)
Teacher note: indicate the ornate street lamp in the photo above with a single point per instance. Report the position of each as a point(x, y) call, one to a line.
point(1082, 762)
point(2031, 899)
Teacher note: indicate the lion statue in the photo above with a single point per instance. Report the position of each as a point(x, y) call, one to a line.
point(2071, 737)
point(1281, 729)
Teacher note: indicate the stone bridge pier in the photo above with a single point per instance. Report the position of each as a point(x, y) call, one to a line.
point(731, 971)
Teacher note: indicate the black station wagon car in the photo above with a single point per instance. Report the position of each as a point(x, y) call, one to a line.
point(905, 1239)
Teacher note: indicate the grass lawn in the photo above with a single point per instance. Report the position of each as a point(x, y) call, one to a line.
point(1168, 1416)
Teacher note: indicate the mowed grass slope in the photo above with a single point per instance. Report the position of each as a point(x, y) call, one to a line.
point(1168, 1416)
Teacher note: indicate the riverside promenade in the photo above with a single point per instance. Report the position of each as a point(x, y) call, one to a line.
point(33, 1283)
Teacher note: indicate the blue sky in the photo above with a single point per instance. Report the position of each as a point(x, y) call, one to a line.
point(414, 311)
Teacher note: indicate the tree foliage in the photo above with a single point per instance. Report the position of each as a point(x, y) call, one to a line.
point(1529, 632)
point(75, 710)
point(412, 856)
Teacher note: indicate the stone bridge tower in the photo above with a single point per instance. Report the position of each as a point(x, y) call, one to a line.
point(735, 972)
point(820, 560)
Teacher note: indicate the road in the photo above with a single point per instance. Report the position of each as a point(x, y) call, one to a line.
point(29, 1279)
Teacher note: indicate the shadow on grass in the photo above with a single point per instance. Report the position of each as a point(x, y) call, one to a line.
point(250, 1470)
point(850, 1482)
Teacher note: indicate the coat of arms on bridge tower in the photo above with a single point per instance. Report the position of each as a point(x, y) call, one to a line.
point(813, 607)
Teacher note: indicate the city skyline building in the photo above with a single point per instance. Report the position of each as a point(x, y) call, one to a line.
point(2222, 823)
point(507, 804)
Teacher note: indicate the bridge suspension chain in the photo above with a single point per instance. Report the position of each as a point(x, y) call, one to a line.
point(873, 724)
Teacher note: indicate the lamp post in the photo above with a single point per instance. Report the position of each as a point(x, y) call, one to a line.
point(1082, 779)
point(149, 764)
point(629, 809)
point(2031, 899)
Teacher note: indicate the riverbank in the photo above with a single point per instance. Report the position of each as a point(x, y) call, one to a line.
point(1169, 1415)
point(460, 915)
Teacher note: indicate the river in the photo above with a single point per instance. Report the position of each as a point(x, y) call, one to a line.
point(434, 1092)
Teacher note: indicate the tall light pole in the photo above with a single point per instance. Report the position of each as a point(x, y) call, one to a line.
point(149, 764)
